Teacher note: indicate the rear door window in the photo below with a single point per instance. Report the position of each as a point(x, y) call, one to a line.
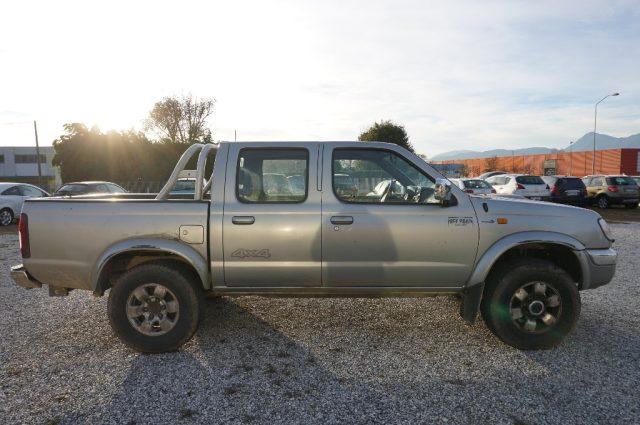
point(265, 176)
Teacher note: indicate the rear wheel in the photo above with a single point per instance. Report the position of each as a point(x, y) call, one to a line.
point(6, 217)
point(531, 304)
point(603, 202)
point(154, 308)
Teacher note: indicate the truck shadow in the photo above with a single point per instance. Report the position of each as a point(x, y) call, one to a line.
point(239, 368)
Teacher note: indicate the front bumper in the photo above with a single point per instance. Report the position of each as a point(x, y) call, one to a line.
point(21, 277)
point(600, 267)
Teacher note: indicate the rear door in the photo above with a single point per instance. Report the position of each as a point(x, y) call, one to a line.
point(271, 226)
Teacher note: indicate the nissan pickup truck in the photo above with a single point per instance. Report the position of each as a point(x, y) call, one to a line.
point(276, 219)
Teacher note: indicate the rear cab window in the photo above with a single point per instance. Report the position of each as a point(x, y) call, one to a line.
point(272, 175)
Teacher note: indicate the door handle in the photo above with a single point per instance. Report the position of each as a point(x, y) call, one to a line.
point(243, 219)
point(342, 219)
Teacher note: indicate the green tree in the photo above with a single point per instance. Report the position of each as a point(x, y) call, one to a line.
point(389, 132)
point(181, 119)
point(118, 156)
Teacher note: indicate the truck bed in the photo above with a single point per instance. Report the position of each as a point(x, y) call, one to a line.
point(60, 230)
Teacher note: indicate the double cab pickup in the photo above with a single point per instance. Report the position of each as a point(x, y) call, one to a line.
point(312, 219)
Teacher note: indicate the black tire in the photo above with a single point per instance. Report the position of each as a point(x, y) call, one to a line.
point(499, 293)
point(179, 282)
point(603, 202)
point(631, 206)
point(4, 219)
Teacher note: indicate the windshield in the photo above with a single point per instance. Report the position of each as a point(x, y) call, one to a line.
point(476, 184)
point(529, 180)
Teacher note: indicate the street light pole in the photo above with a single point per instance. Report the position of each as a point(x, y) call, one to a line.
point(570, 158)
point(595, 123)
point(35, 130)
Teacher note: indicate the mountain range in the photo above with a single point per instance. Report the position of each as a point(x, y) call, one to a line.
point(585, 143)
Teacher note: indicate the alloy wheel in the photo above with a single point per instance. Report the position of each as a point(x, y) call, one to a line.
point(535, 307)
point(152, 309)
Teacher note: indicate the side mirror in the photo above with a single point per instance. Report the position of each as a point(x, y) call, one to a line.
point(443, 191)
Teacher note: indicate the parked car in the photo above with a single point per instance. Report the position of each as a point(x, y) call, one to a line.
point(606, 190)
point(297, 184)
point(87, 188)
point(567, 189)
point(345, 185)
point(532, 187)
point(520, 264)
point(12, 196)
point(474, 186)
point(488, 174)
point(184, 186)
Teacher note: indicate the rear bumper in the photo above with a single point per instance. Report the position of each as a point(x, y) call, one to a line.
point(21, 277)
point(599, 266)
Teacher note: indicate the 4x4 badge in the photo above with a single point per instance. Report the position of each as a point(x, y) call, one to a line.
point(254, 253)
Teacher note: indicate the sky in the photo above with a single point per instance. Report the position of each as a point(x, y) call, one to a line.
point(458, 75)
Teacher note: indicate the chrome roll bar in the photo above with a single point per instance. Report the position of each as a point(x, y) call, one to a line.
point(200, 188)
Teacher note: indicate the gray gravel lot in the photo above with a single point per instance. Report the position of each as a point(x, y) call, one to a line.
point(266, 360)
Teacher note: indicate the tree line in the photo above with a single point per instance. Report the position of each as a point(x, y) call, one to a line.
point(173, 124)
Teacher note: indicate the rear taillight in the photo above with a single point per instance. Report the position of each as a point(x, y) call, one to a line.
point(554, 190)
point(469, 190)
point(612, 188)
point(519, 186)
point(23, 231)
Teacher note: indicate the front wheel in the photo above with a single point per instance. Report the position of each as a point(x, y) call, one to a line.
point(155, 308)
point(531, 304)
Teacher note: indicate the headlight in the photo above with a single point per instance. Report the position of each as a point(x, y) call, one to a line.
point(606, 229)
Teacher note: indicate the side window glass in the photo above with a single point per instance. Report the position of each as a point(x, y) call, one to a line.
point(15, 191)
point(30, 191)
point(114, 189)
point(379, 176)
point(272, 175)
point(102, 188)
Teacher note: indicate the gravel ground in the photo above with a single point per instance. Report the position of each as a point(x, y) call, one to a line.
point(318, 360)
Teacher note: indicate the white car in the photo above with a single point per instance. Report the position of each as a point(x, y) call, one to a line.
point(474, 186)
point(532, 187)
point(12, 195)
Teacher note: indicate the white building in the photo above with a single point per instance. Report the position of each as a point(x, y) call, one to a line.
point(18, 164)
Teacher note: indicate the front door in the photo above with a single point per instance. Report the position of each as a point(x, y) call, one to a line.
point(382, 226)
point(271, 225)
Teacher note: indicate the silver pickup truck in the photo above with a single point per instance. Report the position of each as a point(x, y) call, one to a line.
point(309, 219)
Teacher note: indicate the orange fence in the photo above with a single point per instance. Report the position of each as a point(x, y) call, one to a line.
point(610, 161)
